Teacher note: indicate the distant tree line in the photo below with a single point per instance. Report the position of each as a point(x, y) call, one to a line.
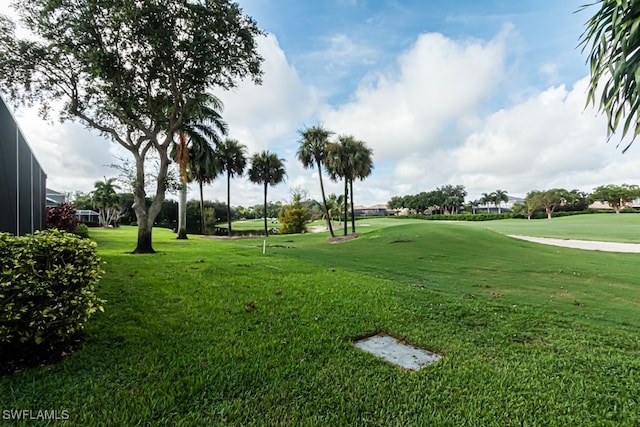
point(450, 199)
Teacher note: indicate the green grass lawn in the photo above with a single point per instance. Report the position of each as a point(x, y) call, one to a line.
point(605, 227)
point(210, 332)
point(250, 224)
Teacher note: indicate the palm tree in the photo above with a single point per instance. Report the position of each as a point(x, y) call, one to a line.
point(349, 159)
point(313, 152)
point(105, 199)
point(338, 166)
point(232, 159)
point(362, 166)
point(486, 199)
point(266, 168)
point(611, 39)
point(335, 204)
point(498, 197)
point(199, 129)
point(204, 169)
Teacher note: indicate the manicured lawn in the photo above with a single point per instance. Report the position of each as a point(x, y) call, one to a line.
point(606, 227)
point(214, 333)
point(251, 224)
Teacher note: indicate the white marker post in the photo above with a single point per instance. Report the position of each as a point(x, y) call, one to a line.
point(264, 246)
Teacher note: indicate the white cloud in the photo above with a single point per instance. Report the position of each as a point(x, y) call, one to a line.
point(404, 110)
point(549, 140)
point(72, 157)
point(267, 117)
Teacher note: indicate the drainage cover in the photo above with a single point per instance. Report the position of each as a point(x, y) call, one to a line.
point(396, 352)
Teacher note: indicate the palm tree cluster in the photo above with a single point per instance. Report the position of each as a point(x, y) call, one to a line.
point(346, 158)
point(202, 155)
point(495, 198)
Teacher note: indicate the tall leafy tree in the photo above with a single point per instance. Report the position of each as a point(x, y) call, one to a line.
point(616, 196)
point(612, 38)
point(266, 169)
point(313, 152)
point(132, 70)
point(396, 202)
point(533, 201)
point(232, 158)
point(551, 199)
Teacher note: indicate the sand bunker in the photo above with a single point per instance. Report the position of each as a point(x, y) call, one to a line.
point(589, 245)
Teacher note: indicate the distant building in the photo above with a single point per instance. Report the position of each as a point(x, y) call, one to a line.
point(22, 180)
point(504, 206)
point(375, 210)
point(54, 198)
point(87, 216)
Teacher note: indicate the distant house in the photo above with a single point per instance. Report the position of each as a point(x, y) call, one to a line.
point(54, 198)
point(504, 206)
point(635, 204)
point(375, 210)
point(22, 180)
point(87, 216)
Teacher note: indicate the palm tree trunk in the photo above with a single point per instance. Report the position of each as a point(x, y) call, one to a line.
point(266, 231)
point(346, 204)
point(182, 212)
point(203, 226)
point(229, 203)
point(353, 211)
point(324, 199)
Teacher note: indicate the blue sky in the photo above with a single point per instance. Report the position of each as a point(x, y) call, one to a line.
point(489, 94)
point(334, 44)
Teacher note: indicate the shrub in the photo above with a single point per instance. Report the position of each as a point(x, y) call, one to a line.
point(62, 217)
point(82, 230)
point(293, 218)
point(46, 290)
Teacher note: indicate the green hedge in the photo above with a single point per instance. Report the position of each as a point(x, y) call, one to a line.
point(457, 217)
point(47, 283)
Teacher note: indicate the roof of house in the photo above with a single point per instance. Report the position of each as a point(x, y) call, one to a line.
point(54, 192)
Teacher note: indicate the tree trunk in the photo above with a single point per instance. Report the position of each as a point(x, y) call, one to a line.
point(266, 230)
point(229, 203)
point(203, 227)
point(144, 239)
point(182, 212)
point(146, 216)
point(324, 199)
point(346, 204)
point(353, 211)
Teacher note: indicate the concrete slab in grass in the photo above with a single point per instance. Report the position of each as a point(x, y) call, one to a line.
point(397, 352)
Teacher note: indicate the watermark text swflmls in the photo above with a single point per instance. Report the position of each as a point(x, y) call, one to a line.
point(28, 414)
